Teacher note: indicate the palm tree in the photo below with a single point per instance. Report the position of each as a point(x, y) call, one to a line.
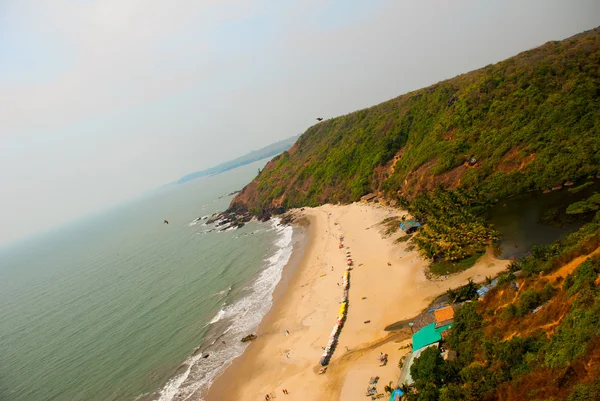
point(452, 295)
point(405, 388)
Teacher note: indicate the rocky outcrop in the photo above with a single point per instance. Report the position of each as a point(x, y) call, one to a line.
point(249, 337)
point(229, 219)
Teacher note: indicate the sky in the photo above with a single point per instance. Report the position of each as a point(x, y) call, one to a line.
point(101, 100)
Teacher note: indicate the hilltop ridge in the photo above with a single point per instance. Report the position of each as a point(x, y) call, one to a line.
point(255, 155)
point(530, 122)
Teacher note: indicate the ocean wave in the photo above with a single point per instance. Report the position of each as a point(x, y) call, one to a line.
point(245, 314)
point(218, 316)
point(225, 291)
point(198, 221)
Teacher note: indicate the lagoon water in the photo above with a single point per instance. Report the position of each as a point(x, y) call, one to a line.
point(112, 307)
point(520, 220)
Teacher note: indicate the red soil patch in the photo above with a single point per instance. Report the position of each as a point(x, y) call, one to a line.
point(570, 267)
point(513, 161)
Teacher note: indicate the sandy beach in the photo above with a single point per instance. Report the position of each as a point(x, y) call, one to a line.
point(388, 284)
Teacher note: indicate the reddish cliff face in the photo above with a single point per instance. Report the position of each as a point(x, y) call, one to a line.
point(243, 198)
point(246, 199)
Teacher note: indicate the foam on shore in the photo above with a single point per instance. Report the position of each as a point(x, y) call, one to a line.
point(234, 322)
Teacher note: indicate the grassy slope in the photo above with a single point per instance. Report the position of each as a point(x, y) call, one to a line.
point(531, 121)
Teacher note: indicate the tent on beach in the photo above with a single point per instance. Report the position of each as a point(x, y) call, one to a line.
point(410, 226)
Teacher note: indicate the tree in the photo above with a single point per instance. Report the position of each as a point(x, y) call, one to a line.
point(466, 332)
point(428, 369)
point(428, 392)
point(406, 390)
point(452, 392)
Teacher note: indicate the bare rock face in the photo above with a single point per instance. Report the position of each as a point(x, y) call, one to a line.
point(229, 219)
point(288, 218)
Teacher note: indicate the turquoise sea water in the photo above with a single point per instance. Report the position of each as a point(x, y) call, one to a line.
point(112, 307)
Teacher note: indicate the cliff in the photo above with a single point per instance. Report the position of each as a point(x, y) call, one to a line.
point(529, 122)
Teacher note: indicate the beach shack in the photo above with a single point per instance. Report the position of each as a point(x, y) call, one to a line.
point(426, 336)
point(444, 316)
point(368, 197)
point(409, 226)
point(422, 320)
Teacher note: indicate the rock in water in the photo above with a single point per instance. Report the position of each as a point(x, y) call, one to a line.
point(249, 337)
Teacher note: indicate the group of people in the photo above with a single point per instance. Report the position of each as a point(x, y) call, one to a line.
point(383, 358)
point(268, 397)
point(372, 389)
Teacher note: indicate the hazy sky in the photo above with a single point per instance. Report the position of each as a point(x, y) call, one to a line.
point(101, 100)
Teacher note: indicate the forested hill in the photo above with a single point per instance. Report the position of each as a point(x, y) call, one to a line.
point(262, 153)
point(529, 122)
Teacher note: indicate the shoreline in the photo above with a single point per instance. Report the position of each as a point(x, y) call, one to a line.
point(235, 320)
point(388, 285)
point(220, 384)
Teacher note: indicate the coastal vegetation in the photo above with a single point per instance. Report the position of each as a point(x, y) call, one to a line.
point(449, 151)
point(453, 235)
point(536, 337)
point(530, 122)
point(391, 225)
point(590, 204)
point(446, 153)
point(581, 187)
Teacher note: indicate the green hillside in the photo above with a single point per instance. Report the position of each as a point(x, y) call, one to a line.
point(529, 122)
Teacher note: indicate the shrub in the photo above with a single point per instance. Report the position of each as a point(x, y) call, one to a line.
point(581, 187)
point(582, 207)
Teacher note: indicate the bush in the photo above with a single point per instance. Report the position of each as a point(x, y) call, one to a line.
point(509, 312)
point(581, 187)
point(528, 300)
point(464, 293)
point(595, 199)
point(582, 207)
point(531, 299)
point(584, 275)
point(585, 392)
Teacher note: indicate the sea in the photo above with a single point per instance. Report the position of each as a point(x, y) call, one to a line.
point(121, 306)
